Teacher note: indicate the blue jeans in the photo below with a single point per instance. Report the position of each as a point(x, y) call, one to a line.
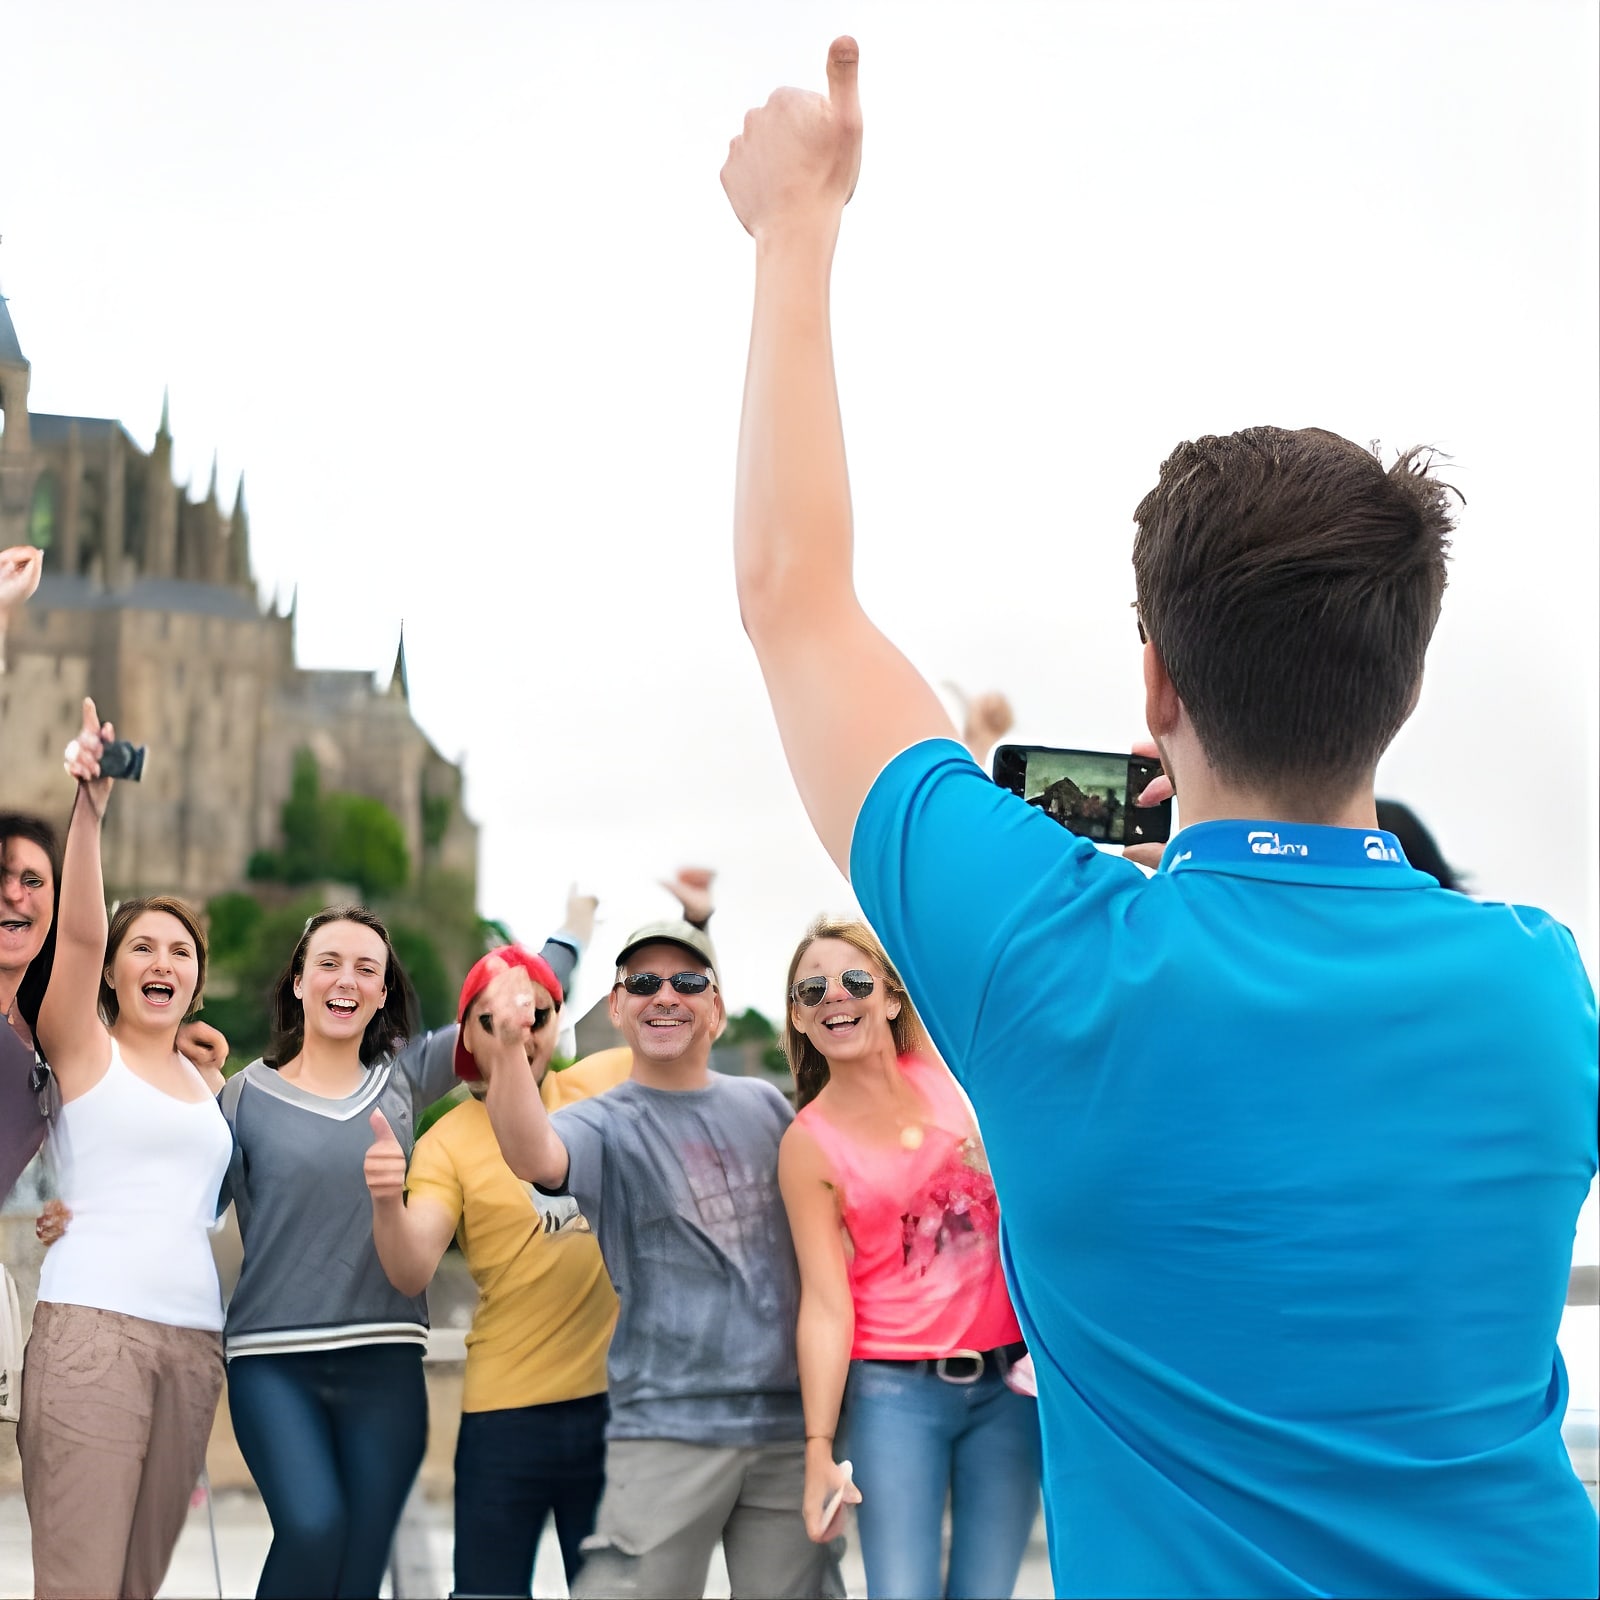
point(916, 1441)
point(333, 1439)
point(514, 1467)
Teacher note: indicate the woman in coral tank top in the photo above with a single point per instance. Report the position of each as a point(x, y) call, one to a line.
point(907, 1340)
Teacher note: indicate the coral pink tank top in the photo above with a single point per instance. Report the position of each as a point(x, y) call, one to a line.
point(926, 1275)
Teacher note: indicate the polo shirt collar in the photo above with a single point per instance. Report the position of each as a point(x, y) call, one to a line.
point(1295, 853)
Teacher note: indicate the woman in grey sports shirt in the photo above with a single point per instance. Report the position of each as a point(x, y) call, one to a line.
point(324, 1354)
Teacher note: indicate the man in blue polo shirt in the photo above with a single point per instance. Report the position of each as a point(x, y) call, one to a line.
point(1290, 1143)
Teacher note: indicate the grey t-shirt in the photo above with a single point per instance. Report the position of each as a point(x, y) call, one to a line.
point(681, 1190)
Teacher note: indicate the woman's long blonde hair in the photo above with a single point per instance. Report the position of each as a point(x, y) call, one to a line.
point(806, 1062)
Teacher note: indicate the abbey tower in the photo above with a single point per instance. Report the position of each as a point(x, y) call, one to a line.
point(148, 603)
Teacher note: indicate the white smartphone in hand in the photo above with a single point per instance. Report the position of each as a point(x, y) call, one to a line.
point(836, 1499)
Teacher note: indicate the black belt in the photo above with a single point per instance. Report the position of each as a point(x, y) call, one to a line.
point(961, 1366)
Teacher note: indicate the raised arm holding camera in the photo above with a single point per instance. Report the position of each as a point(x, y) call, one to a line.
point(1289, 1142)
point(129, 1298)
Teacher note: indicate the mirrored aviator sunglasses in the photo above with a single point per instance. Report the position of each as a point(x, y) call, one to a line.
point(810, 991)
point(647, 983)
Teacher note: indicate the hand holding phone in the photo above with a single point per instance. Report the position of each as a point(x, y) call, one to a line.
point(831, 1506)
point(1092, 793)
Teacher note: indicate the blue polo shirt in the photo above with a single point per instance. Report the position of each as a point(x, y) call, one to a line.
point(1290, 1145)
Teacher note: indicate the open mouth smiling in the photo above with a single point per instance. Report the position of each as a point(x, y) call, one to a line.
point(343, 1008)
point(158, 994)
point(840, 1024)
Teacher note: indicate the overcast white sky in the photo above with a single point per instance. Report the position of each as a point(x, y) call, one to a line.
point(456, 286)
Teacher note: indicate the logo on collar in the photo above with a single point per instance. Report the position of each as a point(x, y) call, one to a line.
point(1264, 842)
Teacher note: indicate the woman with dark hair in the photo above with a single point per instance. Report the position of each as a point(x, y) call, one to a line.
point(906, 1333)
point(124, 1362)
point(30, 873)
point(324, 1354)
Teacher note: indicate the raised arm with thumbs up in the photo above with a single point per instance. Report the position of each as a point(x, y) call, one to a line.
point(846, 700)
point(385, 1165)
point(410, 1239)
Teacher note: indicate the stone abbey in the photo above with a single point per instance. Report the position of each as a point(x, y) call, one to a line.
point(148, 603)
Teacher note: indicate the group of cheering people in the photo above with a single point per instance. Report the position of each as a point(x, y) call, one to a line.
point(704, 1315)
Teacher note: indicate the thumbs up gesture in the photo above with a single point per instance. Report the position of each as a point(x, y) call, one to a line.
point(385, 1165)
point(799, 155)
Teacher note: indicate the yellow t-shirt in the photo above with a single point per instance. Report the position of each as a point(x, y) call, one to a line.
point(605, 1069)
point(545, 1305)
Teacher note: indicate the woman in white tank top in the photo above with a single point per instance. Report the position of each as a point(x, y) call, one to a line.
point(124, 1363)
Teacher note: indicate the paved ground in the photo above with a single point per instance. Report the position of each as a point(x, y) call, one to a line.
point(424, 1549)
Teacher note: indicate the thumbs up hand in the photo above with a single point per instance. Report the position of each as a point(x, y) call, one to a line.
point(385, 1165)
point(799, 155)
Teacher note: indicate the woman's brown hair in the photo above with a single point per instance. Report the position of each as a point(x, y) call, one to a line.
point(123, 919)
point(806, 1062)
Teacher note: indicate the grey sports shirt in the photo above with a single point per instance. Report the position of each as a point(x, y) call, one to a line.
point(311, 1278)
point(681, 1190)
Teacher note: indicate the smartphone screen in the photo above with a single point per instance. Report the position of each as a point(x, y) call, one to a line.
point(1089, 792)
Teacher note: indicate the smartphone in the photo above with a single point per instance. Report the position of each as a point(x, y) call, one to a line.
point(836, 1499)
point(1091, 793)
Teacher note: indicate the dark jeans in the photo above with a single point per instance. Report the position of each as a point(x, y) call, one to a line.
point(514, 1466)
point(333, 1439)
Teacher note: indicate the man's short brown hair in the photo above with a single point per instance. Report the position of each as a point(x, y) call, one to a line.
point(1291, 585)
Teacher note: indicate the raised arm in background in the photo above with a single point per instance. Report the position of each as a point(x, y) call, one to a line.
point(20, 567)
point(73, 1037)
point(846, 700)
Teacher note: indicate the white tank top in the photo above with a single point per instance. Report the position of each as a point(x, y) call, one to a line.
point(140, 1172)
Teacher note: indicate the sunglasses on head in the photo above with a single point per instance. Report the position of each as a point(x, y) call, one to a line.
point(647, 983)
point(810, 991)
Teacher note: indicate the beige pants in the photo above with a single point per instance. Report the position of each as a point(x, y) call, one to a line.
point(666, 1505)
point(116, 1414)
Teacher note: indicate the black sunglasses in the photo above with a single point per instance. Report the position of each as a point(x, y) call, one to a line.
point(810, 991)
point(647, 983)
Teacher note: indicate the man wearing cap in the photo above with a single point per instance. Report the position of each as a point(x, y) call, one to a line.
point(676, 1171)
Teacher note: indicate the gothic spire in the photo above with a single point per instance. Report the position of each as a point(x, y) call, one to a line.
point(399, 683)
point(10, 350)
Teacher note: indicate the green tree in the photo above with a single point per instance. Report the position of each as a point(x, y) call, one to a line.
point(363, 844)
point(304, 823)
point(231, 923)
point(436, 996)
point(437, 809)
